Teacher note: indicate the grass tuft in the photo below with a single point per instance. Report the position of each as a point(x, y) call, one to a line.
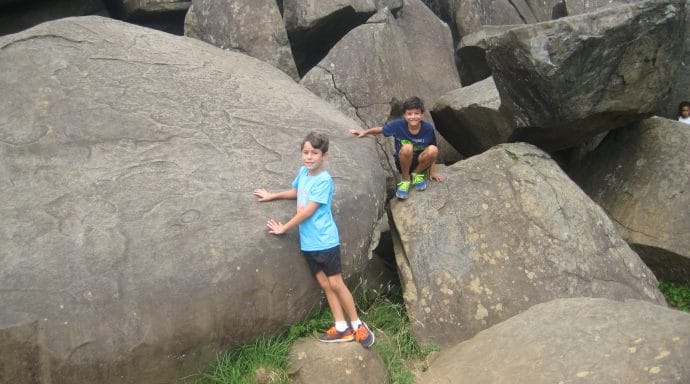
point(262, 362)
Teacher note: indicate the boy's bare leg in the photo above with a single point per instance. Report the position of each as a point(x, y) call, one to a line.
point(405, 159)
point(331, 296)
point(426, 159)
point(345, 299)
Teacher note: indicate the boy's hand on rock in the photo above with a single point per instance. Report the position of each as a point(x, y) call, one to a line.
point(358, 132)
point(262, 194)
point(275, 227)
point(436, 176)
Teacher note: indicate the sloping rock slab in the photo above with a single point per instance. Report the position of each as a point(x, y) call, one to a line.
point(506, 230)
point(432, 45)
point(130, 234)
point(363, 74)
point(565, 81)
point(641, 176)
point(314, 27)
point(579, 340)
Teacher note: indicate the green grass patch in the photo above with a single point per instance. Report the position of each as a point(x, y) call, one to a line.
point(265, 361)
point(677, 295)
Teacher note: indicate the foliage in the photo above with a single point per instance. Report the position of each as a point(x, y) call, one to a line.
point(677, 295)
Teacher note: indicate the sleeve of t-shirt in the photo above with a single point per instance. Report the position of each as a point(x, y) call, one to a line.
point(388, 129)
point(320, 191)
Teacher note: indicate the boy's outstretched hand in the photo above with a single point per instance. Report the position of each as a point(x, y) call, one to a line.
point(263, 195)
point(358, 132)
point(276, 227)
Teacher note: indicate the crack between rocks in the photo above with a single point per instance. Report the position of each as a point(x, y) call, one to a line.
point(629, 228)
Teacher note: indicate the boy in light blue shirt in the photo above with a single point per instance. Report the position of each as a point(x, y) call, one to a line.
point(319, 239)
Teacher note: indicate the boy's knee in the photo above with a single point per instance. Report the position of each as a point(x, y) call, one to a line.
point(406, 150)
point(337, 284)
point(432, 151)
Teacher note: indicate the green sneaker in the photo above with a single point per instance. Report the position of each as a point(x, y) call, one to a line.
point(403, 190)
point(419, 181)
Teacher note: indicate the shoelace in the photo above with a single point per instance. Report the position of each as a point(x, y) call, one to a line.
point(418, 178)
point(331, 331)
point(404, 185)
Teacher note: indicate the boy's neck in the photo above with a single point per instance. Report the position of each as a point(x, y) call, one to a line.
point(315, 171)
point(414, 129)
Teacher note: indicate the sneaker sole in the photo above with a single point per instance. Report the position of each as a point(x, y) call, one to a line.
point(343, 340)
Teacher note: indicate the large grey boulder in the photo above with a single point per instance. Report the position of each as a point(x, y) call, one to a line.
point(640, 176)
point(469, 118)
point(133, 249)
point(507, 230)
point(579, 340)
point(567, 80)
point(249, 26)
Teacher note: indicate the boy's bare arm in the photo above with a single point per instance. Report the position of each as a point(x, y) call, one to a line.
point(264, 195)
point(366, 132)
point(278, 228)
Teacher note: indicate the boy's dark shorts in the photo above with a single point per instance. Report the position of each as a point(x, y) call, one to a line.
point(413, 166)
point(327, 260)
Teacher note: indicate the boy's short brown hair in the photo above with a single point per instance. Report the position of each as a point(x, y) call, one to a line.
point(413, 102)
point(317, 140)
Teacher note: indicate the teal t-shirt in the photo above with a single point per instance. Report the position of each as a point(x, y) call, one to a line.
point(319, 231)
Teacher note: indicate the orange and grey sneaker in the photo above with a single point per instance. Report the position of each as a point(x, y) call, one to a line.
point(333, 336)
point(364, 335)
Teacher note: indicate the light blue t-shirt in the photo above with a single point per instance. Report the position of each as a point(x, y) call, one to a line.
point(319, 231)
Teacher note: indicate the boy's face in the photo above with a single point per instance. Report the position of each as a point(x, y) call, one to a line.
point(685, 112)
point(312, 158)
point(413, 117)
